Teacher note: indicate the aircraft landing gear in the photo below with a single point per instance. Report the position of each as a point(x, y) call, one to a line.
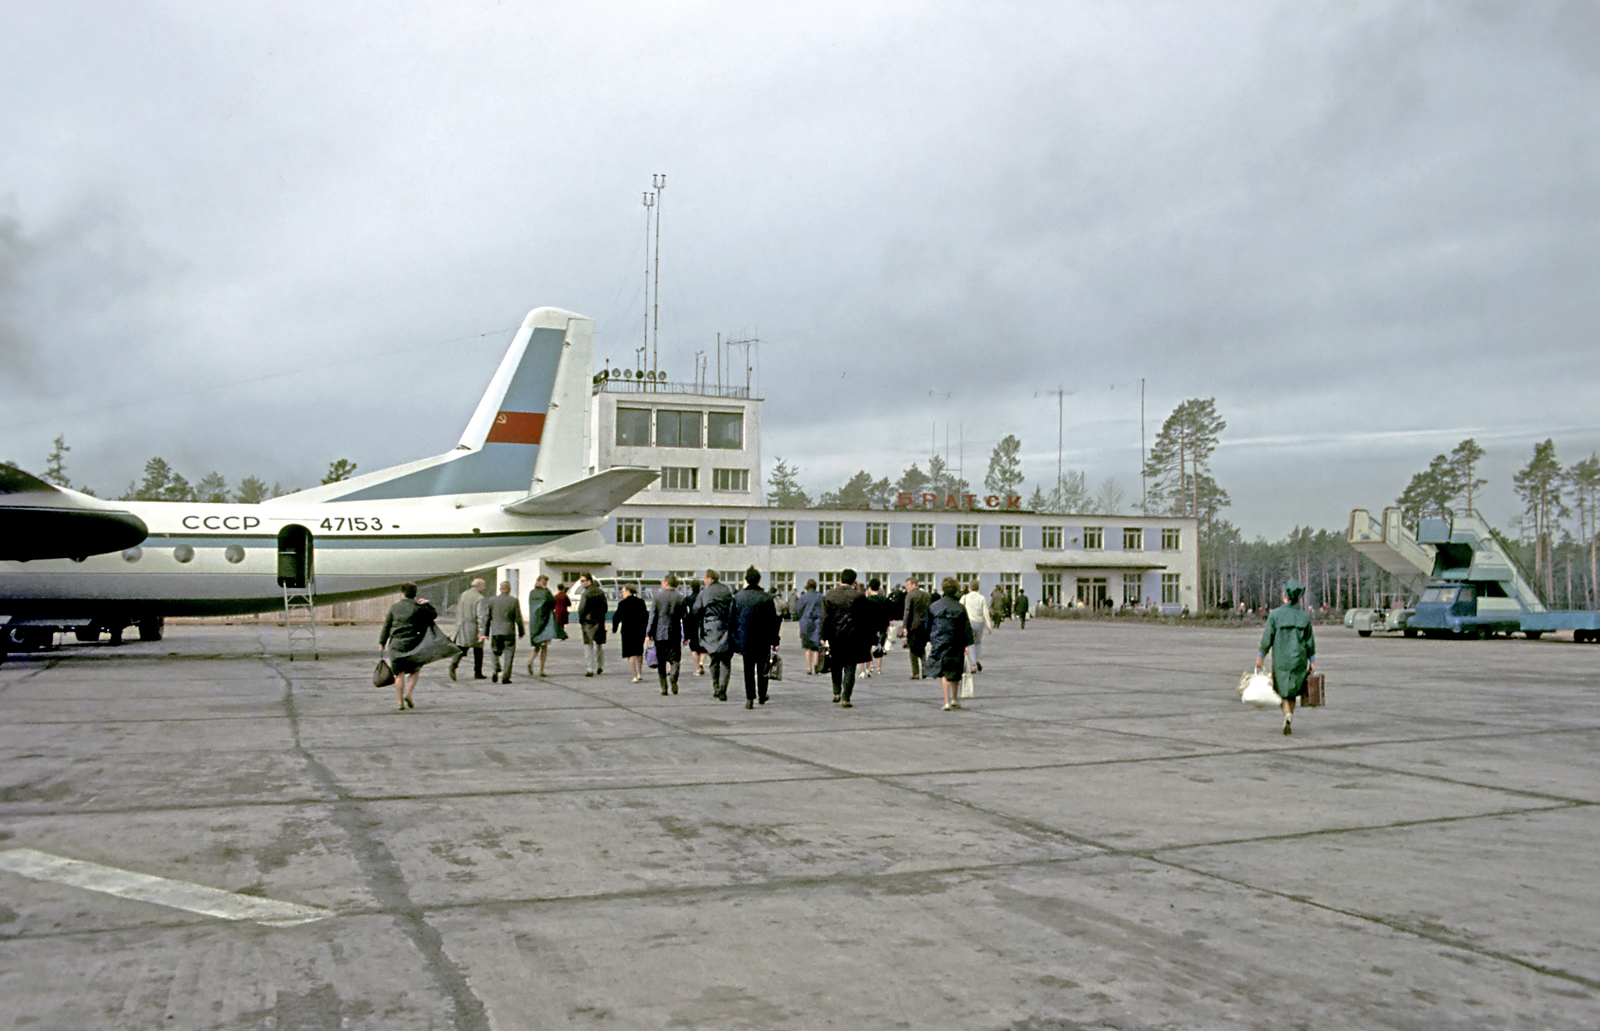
point(150, 628)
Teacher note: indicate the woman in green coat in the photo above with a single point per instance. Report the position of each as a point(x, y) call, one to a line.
point(1294, 650)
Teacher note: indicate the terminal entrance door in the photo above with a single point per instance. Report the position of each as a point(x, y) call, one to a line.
point(1092, 591)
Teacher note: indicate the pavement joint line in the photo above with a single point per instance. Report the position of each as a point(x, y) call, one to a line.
point(385, 878)
point(1397, 926)
point(1441, 778)
point(1152, 853)
point(161, 891)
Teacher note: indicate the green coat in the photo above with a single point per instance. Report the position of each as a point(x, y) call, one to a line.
point(1288, 637)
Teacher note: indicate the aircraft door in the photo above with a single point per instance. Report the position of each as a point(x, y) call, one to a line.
point(295, 566)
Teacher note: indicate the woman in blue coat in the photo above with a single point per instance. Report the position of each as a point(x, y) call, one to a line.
point(810, 618)
point(949, 637)
point(1294, 649)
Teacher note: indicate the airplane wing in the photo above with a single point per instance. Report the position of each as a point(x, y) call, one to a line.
point(39, 520)
point(596, 495)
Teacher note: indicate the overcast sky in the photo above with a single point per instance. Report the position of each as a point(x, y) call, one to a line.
point(258, 238)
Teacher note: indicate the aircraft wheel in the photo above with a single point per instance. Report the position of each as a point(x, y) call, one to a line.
point(150, 628)
point(1364, 633)
point(87, 634)
point(1410, 633)
point(1533, 635)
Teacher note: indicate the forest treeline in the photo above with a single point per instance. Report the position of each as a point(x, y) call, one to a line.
point(161, 482)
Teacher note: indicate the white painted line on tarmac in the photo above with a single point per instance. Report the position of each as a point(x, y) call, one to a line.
point(195, 898)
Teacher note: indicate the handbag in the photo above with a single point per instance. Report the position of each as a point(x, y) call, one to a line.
point(382, 675)
point(968, 684)
point(650, 653)
point(775, 666)
point(1255, 688)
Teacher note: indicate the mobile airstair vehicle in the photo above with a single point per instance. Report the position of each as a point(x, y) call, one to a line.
point(1468, 583)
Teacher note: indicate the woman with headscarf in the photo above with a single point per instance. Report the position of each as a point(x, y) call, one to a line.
point(1294, 649)
point(541, 623)
point(949, 641)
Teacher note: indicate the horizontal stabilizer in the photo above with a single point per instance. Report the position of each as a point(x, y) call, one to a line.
point(595, 495)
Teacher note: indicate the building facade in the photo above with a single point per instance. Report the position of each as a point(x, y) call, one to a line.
point(706, 512)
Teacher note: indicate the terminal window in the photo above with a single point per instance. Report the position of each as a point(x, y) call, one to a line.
point(1011, 583)
point(783, 531)
point(964, 579)
point(925, 581)
point(680, 477)
point(630, 530)
point(725, 430)
point(680, 531)
point(677, 429)
point(1171, 538)
point(877, 535)
point(827, 581)
point(1011, 537)
point(1133, 588)
point(830, 535)
point(629, 574)
point(731, 532)
point(730, 480)
point(633, 427)
point(922, 535)
point(1051, 588)
point(1051, 538)
point(1094, 537)
point(1132, 538)
point(782, 583)
point(966, 535)
point(878, 575)
point(1169, 588)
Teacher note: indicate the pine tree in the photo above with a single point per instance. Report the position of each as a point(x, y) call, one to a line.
point(1583, 479)
point(1463, 461)
point(858, 492)
point(1181, 454)
point(913, 481)
point(55, 466)
point(785, 489)
point(1430, 492)
point(341, 469)
point(1005, 468)
point(212, 489)
point(1540, 485)
point(157, 480)
point(252, 491)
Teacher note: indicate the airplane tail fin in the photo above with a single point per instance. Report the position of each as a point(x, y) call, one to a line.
point(527, 431)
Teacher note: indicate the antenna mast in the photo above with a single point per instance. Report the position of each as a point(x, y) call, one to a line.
point(649, 202)
point(658, 183)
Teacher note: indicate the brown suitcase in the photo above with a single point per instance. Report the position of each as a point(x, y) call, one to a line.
point(1314, 690)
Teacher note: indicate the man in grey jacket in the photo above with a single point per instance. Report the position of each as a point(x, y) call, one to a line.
point(472, 627)
point(505, 626)
point(713, 608)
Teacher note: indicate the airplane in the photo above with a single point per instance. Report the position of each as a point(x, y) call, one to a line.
point(515, 488)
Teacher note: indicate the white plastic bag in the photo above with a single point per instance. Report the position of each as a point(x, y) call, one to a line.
point(1255, 688)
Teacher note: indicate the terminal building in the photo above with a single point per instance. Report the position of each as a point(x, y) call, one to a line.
point(706, 512)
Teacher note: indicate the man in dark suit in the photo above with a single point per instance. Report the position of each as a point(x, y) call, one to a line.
point(666, 630)
point(847, 628)
point(755, 635)
point(916, 625)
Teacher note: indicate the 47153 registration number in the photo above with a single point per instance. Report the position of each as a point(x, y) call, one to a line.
point(338, 523)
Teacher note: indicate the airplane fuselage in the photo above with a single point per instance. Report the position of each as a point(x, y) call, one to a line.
point(204, 559)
